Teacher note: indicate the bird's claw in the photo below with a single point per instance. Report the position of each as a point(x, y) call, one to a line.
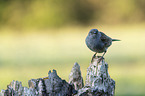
point(100, 59)
point(93, 57)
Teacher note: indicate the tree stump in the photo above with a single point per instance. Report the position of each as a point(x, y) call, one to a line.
point(52, 85)
point(98, 83)
point(75, 77)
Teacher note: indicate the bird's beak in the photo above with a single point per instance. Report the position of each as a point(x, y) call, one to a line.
point(116, 40)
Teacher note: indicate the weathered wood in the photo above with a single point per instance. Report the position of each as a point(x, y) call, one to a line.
point(75, 77)
point(57, 87)
point(51, 86)
point(15, 88)
point(98, 83)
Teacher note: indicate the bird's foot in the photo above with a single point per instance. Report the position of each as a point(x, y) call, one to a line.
point(93, 57)
point(101, 58)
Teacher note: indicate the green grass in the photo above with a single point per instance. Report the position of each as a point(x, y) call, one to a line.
point(24, 56)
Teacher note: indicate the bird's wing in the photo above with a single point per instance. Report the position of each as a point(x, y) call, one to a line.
point(103, 37)
point(106, 39)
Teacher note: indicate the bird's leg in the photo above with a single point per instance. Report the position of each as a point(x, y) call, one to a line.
point(93, 57)
point(102, 57)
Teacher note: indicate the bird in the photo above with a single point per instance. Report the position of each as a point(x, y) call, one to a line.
point(98, 42)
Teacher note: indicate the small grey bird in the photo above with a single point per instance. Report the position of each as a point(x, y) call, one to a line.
point(98, 42)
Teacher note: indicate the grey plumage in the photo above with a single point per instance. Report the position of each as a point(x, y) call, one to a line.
point(98, 42)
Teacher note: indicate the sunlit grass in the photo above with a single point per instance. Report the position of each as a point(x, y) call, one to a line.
point(24, 56)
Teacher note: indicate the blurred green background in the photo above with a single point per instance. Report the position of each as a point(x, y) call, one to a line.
point(38, 36)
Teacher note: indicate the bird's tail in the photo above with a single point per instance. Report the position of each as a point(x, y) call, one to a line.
point(116, 40)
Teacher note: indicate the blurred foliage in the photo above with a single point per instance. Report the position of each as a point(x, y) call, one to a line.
point(21, 14)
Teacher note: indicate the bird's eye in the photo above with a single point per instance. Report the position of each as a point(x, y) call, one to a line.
point(95, 32)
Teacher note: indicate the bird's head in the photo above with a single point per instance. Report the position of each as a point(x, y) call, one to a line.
point(93, 31)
